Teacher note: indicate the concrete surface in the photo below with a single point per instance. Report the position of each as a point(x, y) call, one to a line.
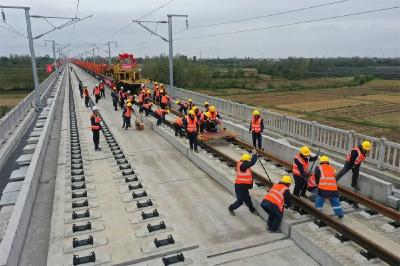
point(19, 174)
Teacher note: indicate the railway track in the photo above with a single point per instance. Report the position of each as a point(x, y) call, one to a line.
point(372, 249)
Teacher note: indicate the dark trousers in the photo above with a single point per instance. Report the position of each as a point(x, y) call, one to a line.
point(355, 169)
point(97, 98)
point(121, 103)
point(115, 103)
point(274, 215)
point(87, 101)
point(81, 92)
point(103, 93)
point(192, 141)
point(160, 119)
point(182, 110)
point(179, 130)
point(256, 138)
point(299, 186)
point(242, 196)
point(163, 106)
point(96, 139)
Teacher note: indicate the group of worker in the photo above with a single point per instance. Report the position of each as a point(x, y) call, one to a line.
point(322, 183)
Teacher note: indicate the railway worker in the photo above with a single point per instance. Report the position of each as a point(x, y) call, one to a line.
point(114, 96)
point(146, 107)
point(160, 115)
point(206, 106)
point(183, 107)
point(277, 198)
point(96, 127)
point(161, 92)
point(244, 182)
point(200, 119)
point(126, 116)
point(156, 91)
point(213, 119)
point(312, 187)
point(130, 96)
point(178, 126)
point(121, 95)
point(96, 93)
point(353, 162)
point(301, 163)
point(102, 89)
point(86, 95)
point(148, 94)
point(141, 98)
point(327, 187)
point(256, 128)
point(190, 104)
point(80, 86)
point(190, 124)
point(165, 101)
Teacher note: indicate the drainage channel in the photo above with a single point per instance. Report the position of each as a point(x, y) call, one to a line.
point(145, 206)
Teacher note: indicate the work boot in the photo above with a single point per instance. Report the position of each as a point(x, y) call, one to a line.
point(341, 216)
point(253, 211)
point(231, 212)
point(196, 151)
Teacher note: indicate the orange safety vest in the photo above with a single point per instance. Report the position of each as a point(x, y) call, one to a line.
point(97, 91)
point(157, 90)
point(360, 157)
point(97, 120)
point(303, 162)
point(311, 182)
point(128, 112)
point(160, 112)
point(327, 180)
point(276, 195)
point(179, 121)
point(213, 116)
point(85, 93)
point(164, 99)
point(256, 124)
point(243, 177)
point(191, 125)
point(147, 105)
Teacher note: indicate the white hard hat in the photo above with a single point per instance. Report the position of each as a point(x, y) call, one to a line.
point(122, 88)
point(129, 91)
point(94, 108)
point(97, 85)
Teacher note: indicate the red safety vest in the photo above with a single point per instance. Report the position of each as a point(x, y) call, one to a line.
point(303, 162)
point(97, 120)
point(256, 124)
point(179, 121)
point(327, 180)
point(311, 182)
point(85, 93)
point(243, 177)
point(121, 94)
point(164, 99)
point(128, 112)
point(160, 112)
point(97, 91)
point(360, 157)
point(276, 195)
point(191, 125)
point(147, 105)
point(101, 86)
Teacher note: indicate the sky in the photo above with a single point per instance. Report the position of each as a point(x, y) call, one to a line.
point(370, 35)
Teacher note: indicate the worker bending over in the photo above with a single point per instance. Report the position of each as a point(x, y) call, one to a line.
point(160, 115)
point(126, 115)
point(256, 128)
point(190, 124)
point(244, 182)
point(95, 126)
point(96, 93)
point(86, 95)
point(146, 107)
point(327, 187)
point(165, 101)
point(182, 107)
point(114, 97)
point(178, 126)
point(353, 162)
point(275, 201)
point(301, 163)
point(213, 119)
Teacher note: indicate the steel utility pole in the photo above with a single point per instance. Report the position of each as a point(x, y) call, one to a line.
point(170, 42)
point(109, 51)
point(54, 44)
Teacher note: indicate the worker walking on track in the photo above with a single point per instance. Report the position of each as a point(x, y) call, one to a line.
point(256, 128)
point(178, 126)
point(244, 182)
point(102, 89)
point(275, 201)
point(327, 187)
point(190, 124)
point(126, 116)
point(96, 93)
point(95, 126)
point(121, 96)
point(86, 95)
point(301, 163)
point(353, 162)
point(80, 86)
point(160, 115)
point(114, 96)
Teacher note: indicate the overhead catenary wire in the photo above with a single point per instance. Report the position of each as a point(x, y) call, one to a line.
point(76, 15)
point(288, 24)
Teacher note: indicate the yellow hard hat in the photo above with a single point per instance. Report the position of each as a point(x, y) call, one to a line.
point(129, 104)
point(168, 111)
point(366, 145)
point(191, 112)
point(212, 109)
point(177, 102)
point(190, 100)
point(324, 159)
point(245, 157)
point(256, 112)
point(155, 82)
point(206, 103)
point(128, 100)
point(286, 179)
point(305, 151)
point(195, 108)
point(208, 114)
point(148, 91)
